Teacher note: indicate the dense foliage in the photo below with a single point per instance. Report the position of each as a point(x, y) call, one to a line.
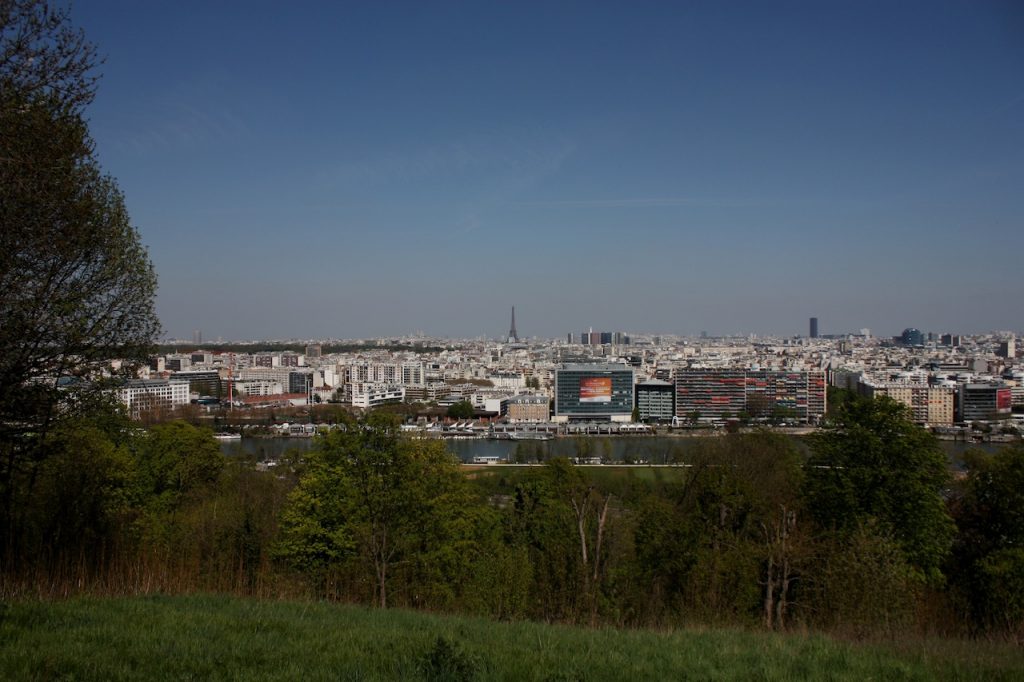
point(76, 285)
point(738, 533)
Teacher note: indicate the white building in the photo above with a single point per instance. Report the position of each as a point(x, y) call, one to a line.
point(507, 380)
point(141, 395)
point(380, 395)
point(258, 387)
point(414, 374)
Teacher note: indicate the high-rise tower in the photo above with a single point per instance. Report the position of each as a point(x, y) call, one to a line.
point(814, 327)
point(513, 337)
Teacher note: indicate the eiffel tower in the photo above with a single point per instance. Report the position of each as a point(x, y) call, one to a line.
point(513, 337)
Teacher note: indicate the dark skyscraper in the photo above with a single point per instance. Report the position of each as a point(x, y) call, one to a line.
point(513, 337)
point(814, 327)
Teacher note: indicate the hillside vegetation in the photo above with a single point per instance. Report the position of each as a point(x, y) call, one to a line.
point(865, 534)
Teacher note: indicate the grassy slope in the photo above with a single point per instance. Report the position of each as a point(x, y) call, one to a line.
point(203, 637)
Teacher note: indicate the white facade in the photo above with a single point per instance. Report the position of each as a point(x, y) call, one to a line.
point(507, 380)
point(414, 374)
point(258, 387)
point(153, 394)
point(375, 373)
point(378, 396)
point(278, 374)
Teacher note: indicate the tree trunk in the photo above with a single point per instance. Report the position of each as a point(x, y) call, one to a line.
point(581, 517)
point(783, 603)
point(769, 592)
point(595, 585)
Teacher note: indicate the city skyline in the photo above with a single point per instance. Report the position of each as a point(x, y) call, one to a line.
point(576, 336)
point(355, 172)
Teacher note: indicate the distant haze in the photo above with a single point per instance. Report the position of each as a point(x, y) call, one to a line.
point(367, 169)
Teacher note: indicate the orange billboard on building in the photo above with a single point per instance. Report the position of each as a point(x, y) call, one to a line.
point(596, 390)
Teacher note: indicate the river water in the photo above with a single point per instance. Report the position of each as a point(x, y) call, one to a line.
point(648, 449)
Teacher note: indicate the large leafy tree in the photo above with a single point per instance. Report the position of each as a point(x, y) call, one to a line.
point(730, 538)
point(76, 285)
point(988, 566)
point(872, 466)
point(382, 507)
point(42, 54)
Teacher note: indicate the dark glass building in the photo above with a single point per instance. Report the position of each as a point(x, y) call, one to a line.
point(593, 392)
point(912, 337)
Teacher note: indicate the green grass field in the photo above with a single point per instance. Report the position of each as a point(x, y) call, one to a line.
point(205, 637)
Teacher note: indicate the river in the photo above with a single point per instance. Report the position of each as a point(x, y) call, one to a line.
point(649, 449)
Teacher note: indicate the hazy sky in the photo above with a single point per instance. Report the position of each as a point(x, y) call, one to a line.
point(361, 169)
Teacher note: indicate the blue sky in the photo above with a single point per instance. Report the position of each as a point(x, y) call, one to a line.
point(353, 170)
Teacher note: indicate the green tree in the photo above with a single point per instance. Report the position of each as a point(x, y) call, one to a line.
point(589, 506)
point(988, 557)
point(729, 541)
point(369, 498)
point(41, 53)
point(84, 495)
point(174, 462)
point(872, 465)
point(541, 526)
point(461, 410)
point(77, 284)
point(861, 582)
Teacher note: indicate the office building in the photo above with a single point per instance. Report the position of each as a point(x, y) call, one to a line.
point(710, 393)
point(413, 374)
point(592, 338)
point(202, 381)
point(593, 392)
point(153, 395)
point(376, 396)
point(912, 337)
point(984, 402)
point(814, 327)
point(718, 393)
point(655, 401)
point(528, 408)
point(257, 387)
point(929, 405)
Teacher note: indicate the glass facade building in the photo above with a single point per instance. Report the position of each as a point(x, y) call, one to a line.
point(594, 392)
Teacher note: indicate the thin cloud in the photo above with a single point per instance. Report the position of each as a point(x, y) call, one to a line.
point(624, 203)
point(518, 156)
point(188, 115)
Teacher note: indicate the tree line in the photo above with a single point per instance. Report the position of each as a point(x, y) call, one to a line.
point(863, 532)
